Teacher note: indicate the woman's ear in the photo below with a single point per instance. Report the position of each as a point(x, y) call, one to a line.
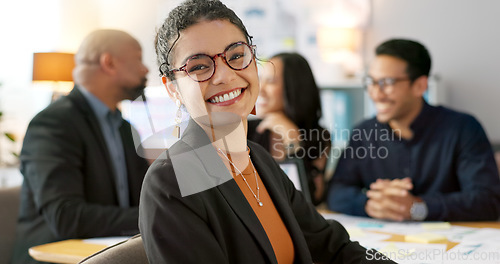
point(172, 89)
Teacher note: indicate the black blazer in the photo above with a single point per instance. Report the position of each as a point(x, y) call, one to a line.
point(218, 225)
point(69, 186)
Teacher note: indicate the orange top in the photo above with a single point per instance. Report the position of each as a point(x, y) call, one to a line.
point(268, 215)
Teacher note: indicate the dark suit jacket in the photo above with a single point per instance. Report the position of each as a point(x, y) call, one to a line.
point(69, 186)
point(218, 225)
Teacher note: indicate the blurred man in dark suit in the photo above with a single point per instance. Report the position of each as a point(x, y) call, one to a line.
point(82, 175)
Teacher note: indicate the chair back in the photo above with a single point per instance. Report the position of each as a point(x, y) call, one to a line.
point(130, 251)
point(9, 209)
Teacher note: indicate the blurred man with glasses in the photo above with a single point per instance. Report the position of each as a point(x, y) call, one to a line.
point(414, 161)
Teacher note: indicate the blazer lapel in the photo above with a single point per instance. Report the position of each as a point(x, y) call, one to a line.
point(240, 206)
point(136, 166)
point(79, 100)
point(214, 168)
point(267, 174)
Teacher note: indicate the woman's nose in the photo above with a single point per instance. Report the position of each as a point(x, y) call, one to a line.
point(223, 73)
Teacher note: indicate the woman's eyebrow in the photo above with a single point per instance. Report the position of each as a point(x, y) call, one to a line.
point(189, 57)
point(184, 61)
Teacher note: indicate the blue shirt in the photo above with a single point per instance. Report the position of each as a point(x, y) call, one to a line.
point(449, 160)
point(110, 123)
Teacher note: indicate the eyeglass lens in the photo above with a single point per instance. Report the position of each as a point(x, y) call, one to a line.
point(385, 84)
point(201, 67)
point(381, 82)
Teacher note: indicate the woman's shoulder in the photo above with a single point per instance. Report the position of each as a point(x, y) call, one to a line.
point(259, 149)
point(161, 174)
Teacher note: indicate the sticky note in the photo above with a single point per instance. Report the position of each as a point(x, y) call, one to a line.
point(436, 226)
point(355, 232)
point(391, 250)
point(426, 238)
point(370, 225)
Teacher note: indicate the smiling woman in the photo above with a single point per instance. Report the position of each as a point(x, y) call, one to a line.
point(206, 77)
point(232, 202)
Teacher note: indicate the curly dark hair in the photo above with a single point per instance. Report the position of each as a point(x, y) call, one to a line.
point(412, 52)
point(185, 15)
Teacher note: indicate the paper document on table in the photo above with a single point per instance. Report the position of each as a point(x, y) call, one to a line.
point(359, 228)
point(367, 223)
point(408, 253)
point(108, 241)
point(458, 233)
point(349, 219)
point(483, 235)
point(357, 221)
point(473, 252)
point(452, 233)
point(477, 245)
point(365, 237)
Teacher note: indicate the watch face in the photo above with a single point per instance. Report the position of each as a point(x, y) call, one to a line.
point(418, 211)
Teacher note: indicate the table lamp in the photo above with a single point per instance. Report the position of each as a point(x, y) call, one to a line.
point(55, 68)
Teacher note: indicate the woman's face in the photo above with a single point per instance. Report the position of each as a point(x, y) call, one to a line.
point(203, 99)
point(271, 88)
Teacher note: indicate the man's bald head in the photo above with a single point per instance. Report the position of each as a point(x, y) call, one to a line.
point(109, 65)
point(97, 43)
point(100, 42)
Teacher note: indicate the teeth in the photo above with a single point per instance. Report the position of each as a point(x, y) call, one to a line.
point(226, 97)
point(382, 106)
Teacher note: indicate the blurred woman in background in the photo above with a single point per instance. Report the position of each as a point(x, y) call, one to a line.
point(289, 106)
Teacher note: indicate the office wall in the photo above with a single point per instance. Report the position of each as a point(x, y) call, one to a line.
point(463, 39)
point(460, 34)
point(26, 27)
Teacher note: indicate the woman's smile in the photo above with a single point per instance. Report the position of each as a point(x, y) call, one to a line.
point(227, 97)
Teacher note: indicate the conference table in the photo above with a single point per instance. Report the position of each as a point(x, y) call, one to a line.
point(75, 250)
point(71, 250)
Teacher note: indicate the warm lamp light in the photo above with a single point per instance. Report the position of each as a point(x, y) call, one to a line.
point(55, 68)
point(339, 45)
point(333, 38)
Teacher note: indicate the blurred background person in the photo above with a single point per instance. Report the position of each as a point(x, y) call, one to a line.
point(289, 108)
point(82, 175)
point(437, 163)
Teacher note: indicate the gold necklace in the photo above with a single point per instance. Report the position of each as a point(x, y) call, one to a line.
point(256, 196)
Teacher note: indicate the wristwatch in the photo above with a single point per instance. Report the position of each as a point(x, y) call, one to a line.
point(418, 211)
